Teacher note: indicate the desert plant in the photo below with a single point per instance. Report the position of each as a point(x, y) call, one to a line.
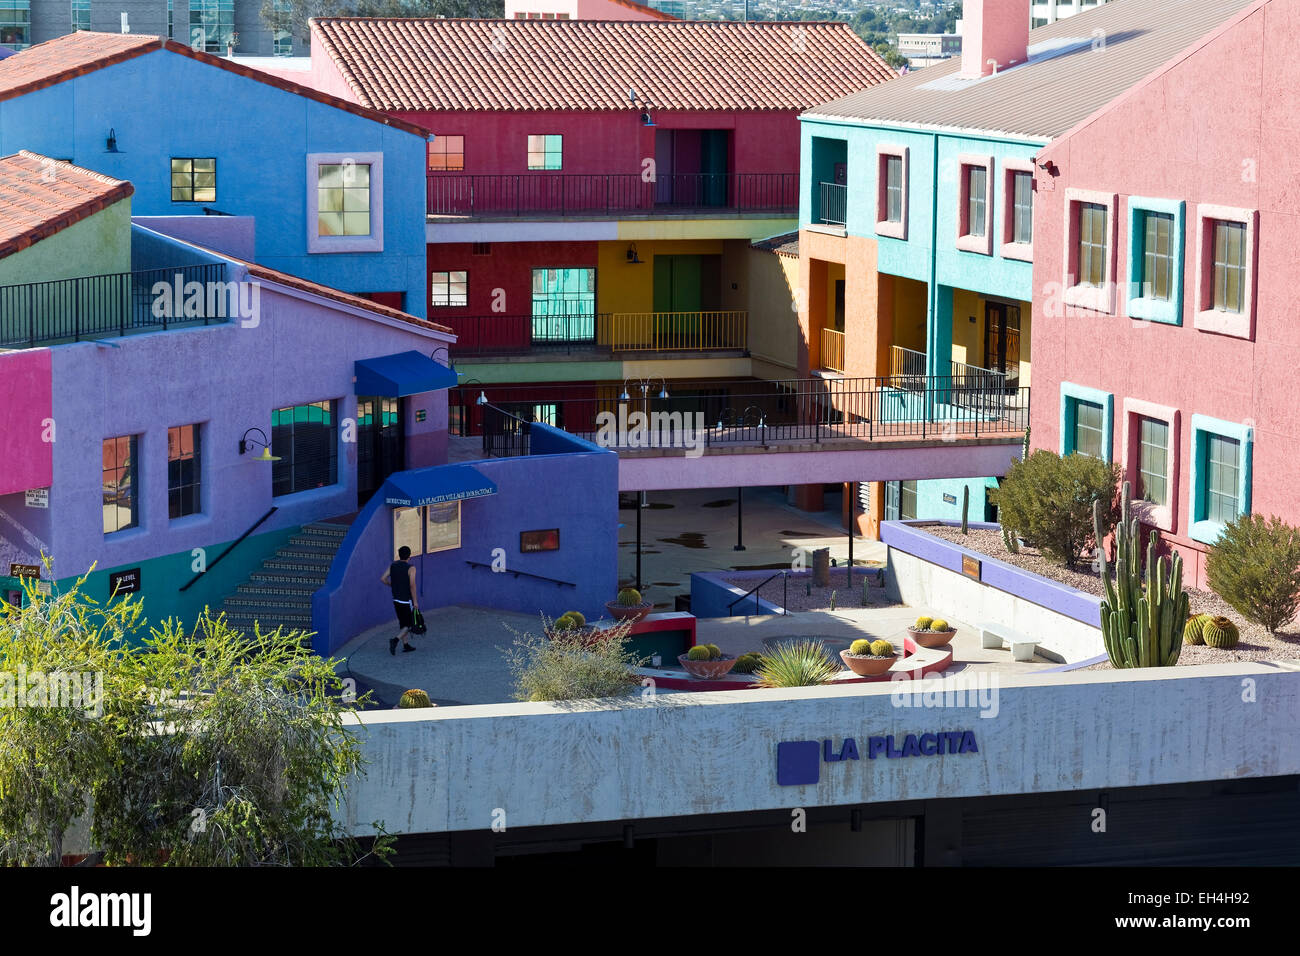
point(746, 664)
point(1049, 500)
point(923, 623)
point(882, 649)
point(699, 653)
point(801, 663)
point(860, 647)
point(414, 698)
point(832, 600)
point(628, 597)
point(1010, 542)
point(565, 622)
point(938, 624)
point(567, 667)
point(715, 653)
point(1255, 567)
point(577, 617)
point(1220, 632)
point(1194, 632)
point(965, 509)
point(1143, 614)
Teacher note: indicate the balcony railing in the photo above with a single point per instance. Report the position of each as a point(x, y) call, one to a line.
point(911, 363)
point(606, 332)
point(834, 204)
point(833, 350)
point(601, 194)
point(90, 307)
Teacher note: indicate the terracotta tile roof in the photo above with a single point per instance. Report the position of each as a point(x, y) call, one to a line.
point(786, 244)
point(77, 54)
point(40, 196)
point(516, 65)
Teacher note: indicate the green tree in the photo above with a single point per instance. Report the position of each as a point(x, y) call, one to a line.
point(891, 55)
point(1047, 500)
point(1255, 567)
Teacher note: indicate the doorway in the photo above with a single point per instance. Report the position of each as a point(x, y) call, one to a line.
point(691, 166)
point(381, 443)
point(1002, 341)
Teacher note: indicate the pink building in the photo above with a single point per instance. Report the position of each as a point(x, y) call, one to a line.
point(1164, 278)
point(581, 10)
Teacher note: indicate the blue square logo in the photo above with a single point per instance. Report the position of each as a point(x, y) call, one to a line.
point(798, 762)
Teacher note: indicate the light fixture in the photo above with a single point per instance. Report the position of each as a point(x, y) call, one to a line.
point(245, 443)
point(647, 119)
point(632, 258)
point(434, 355)
point(111, 146)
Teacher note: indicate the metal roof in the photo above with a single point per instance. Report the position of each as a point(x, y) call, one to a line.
point(1075, 67)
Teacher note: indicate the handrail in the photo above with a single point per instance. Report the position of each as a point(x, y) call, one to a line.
point(540, 577)
point(785, 594)
point(253, 527)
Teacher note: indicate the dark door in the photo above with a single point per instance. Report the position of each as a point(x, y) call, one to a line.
point(381, 443)
point(1002, 341)
point(713, 166)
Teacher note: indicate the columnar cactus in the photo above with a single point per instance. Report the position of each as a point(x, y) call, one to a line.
point(1220, 632)
point(1143, 613)
point(1194, 632)
point(965, 508)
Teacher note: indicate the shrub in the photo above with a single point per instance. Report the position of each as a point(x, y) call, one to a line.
point(1255, 567)
point(568, 668)
point(882, 649)
point(796, 664)
point(699, 653)
point(938, 624)
point(1048, 500)
point(628, 597)
point(1220, 632)
point(1194, 632)
point(414, 698)
point(922, 623)
point(860, 647)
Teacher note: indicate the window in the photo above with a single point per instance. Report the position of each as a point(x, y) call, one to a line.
point(1155, 260)
point(305, 439)
point(345, 202)
point(893, 189)
point(1086, 417)
point(1221, 458)
point(80, 14)
point(1092, 244)
point(194, 180)
point(1222, 477)
point(282, 40)
point(564, 304)
point(1153, 461)
point(481, 249)
point(1229, 282)
point(1022, 206)
point(544, 152)
point(1087, 428)
point(212, 25)
point(447, 153)
point(450, 288)
point(976, 210)
point(121, 486)
point(343, 199)
point(900, 500)
point(1157, 281)
point(442, 527)
point(183, 467)
point(15, 24)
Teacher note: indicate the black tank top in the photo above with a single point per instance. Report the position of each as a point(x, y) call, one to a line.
point(401, 580)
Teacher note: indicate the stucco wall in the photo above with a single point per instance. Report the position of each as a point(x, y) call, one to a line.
point(97, 245)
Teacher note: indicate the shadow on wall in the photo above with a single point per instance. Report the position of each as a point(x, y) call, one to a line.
point(565, 484)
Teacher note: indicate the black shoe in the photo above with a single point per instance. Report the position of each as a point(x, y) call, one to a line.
point(392, 646)
point(407, 648)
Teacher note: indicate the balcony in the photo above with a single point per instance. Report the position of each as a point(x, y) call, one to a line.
point(118, 304)
point(832, 350)
point(552, 195)
point(909, 364)
point(833, 204)
point(608, 332)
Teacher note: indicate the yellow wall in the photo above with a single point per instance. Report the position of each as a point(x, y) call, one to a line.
point(766, 291)
point(968, 336)
point(621, 287)
point(910, 304)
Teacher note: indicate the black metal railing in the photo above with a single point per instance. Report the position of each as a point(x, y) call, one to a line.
point(116, 304)
point(527, 574)
point(834, 204)
point(942, 408)
point(504, 435)
point(519, 334)
point(758, 604)
point(231, 547)
point(577, 194)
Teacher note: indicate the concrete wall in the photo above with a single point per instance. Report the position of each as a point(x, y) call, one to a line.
point(460, 768)
point(926, 572)
point(713, 597)
point(97, 245)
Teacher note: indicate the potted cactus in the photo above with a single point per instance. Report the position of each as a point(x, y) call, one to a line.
point(868, 658)
point(932, 631)
point(706, 662)
point(629, 605)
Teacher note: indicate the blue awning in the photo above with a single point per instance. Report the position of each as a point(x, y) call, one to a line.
point(402, 374)
point(437, 485)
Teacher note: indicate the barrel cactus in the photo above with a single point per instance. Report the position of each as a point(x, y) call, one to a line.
point(698, 653)
point(628, 597)
point(565, 622)
point(414, 698)
point(882, 649)
point(1220, 632)
point(1194, 632)
point(939, 624)
point(922, 624)
point(746, 664)
point(577, 617)
point(860, 648)
point(715, 653)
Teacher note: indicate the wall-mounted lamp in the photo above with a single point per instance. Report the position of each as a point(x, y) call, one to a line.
point(111, 145)
point(632, 258)
point(434, 355)
point(246, 443)
point(645, 388)
point(647, 119)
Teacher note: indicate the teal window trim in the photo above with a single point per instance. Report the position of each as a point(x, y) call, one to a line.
point(1199, 528)
point(1155, 310)
point(1070, 394)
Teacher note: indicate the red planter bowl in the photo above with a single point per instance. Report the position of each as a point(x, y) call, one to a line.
point(621, 613)
point(932, 638)
point(867, 666)
point(706, 670)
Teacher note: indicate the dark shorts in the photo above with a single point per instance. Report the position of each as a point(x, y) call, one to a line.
point(405, 614)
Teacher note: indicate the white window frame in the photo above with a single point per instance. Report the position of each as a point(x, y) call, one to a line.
point(316, 243)
point(1208, 319)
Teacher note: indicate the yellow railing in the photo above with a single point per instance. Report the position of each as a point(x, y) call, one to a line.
point(675, 331)
point(833, 350)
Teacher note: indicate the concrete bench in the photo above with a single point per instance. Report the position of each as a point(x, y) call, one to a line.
point(998, 636)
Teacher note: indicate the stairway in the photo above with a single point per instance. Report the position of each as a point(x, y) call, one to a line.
point(278, 594)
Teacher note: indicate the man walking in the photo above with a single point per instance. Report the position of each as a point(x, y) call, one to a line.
point(400, 576)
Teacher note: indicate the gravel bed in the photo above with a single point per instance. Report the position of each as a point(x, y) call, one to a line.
point(1256, 644)
point(797, 597)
